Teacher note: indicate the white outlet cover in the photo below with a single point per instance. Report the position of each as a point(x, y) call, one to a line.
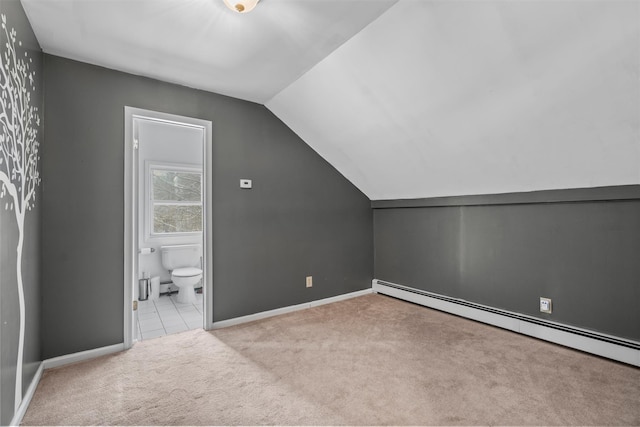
point(545, 305)
point(245, 183)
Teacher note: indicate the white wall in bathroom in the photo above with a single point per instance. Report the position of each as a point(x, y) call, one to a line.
point(161, 142)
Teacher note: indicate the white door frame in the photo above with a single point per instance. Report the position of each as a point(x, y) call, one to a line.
point(131, 211)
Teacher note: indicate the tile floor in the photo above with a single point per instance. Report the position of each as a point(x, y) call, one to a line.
point(166, 316)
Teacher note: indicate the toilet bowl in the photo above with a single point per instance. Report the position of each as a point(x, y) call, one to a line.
point(183, 261)
point(186, 279)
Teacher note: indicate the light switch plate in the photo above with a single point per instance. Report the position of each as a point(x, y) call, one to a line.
point(245, 183)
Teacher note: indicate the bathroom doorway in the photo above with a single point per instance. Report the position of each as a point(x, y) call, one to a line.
point(167, 224)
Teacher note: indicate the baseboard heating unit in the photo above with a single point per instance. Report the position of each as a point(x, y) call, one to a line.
point(604, 345)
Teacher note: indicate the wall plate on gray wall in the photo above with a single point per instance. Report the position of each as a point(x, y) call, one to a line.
point(545, 305)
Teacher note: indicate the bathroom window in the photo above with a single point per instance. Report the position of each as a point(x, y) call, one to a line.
point(175, 200)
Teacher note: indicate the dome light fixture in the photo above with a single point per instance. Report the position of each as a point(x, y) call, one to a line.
point(241, 6)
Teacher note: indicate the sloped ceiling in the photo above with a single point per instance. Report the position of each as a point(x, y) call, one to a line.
point(201, 43)
point(440, 98)
point(407, 99)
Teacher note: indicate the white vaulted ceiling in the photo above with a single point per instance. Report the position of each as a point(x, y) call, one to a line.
point(440, 98)
point(408, 98)
point(201, 43)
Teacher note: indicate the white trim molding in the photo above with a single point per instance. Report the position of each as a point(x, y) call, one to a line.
point(26, 401)
point(289, 309)
point(604, 345)
point(131, 118)
point(81, 356)
point(149, 203)
point(55, 362)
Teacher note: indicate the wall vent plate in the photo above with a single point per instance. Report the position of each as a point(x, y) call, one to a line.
point(245, 183)
point(545, 305)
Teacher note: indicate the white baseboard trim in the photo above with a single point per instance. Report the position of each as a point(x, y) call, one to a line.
point(289, 309)
point(54, 362)
point(522, 324)
point(26, 400)
point(67, 359)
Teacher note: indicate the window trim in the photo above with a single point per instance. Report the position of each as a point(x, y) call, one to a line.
point(150, 166)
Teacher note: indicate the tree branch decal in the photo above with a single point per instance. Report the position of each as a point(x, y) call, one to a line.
point(19, 157)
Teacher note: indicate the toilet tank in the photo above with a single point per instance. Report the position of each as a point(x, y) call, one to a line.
point(180, 256)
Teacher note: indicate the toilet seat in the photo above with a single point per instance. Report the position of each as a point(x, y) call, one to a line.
point(186, 272)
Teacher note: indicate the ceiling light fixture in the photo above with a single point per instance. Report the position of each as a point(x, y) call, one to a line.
point(241, 6)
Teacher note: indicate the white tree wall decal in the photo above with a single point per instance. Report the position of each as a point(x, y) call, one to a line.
point(19, 157)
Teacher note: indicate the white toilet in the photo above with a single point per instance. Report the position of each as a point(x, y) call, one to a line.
point(183, 261)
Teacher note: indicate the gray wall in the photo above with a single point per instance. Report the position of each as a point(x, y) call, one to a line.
point(301, 217)
point(9, 311)
point(507, 251)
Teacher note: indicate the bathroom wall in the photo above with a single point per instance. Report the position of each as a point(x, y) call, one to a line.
point(301, 218)
point(25, 42)
point(161, 143)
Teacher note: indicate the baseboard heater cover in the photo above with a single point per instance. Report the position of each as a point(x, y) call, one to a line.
point(604, 345)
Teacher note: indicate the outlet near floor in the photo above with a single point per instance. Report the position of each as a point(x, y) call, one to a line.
point(545, 305)
point(309, 281)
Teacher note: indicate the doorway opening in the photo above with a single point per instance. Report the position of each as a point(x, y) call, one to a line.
point(168, 260)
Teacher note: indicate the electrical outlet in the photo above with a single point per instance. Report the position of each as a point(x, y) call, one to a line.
point(545, 305)
point(309, 281)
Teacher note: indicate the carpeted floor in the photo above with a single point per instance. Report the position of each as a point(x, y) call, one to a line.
point(371, 360)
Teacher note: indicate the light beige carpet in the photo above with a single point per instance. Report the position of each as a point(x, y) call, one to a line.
point(370, 360)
